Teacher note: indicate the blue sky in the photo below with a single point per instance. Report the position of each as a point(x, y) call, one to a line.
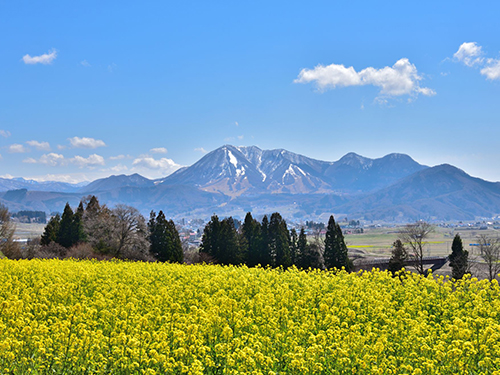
point(89, 89)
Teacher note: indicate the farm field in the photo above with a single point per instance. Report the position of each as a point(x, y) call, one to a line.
point(82, 317)
point(377, 242)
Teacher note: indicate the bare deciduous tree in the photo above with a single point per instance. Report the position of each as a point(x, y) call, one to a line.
point(414, 236)
point(130, 234)
point(489, 252)
point(8, 247)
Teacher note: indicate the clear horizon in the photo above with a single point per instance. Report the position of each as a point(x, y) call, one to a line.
point(92, 90)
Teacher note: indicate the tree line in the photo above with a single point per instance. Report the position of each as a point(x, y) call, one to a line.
point(271, 243)
point(96, 231)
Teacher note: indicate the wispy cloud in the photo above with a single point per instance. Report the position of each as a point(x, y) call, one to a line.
point(43, 146)
point(112, 67)
point(471, 54)
point(117, 157)
point(85, 63)
point(400, 79)
point(201, 149)
point(17, 149)
point(45, 59)
point(158, 150)
point(84, 142)
point(5, 133)
point(58, 160)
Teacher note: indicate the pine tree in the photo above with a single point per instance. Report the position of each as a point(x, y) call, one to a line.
point(279, 241)
point(335, 254)
point(250, 242)
point(78, 232)
point(398, 258)
point(51, 231)
point(332, 247)
point(343, 258)
point(293, 246)
point(165, 243)
point(229, 251)
point(176, 254)
point(302, 255)
point(209, 240)
point(66, 228)
point(459, 258)
point(264, 251)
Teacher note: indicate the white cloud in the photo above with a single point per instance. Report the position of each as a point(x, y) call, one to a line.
point(61, 147)
point(112, 67)
point(236, 123)
point(201, 149)
point(85, 63)
point(51, 159)
point(469, 53)
point(17, 149)
point(86, 142)
point(154, 168)
point(45, 59)
point(158, 150)
point(492, 69)
point(92, 161)
point(240, 137)
point(5, 133)
point(44, 146)
point(400, 79)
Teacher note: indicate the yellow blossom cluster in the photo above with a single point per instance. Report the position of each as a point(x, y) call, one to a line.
point(89, 317)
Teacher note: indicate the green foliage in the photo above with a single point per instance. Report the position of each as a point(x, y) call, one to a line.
point(165, 244)
point(251, 240)
point(398, 258)
point(335, 254)
point(279, 241)
point(51, 231)
point(459, 259)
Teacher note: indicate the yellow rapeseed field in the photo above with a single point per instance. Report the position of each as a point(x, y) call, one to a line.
point(89, 317)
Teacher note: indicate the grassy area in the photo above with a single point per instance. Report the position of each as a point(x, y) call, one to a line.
point(28, 230)
point(377, 242)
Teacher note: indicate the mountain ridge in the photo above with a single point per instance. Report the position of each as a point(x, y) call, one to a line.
point(232, 180)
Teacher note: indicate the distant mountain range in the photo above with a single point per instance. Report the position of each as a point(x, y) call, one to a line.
point(233, 180)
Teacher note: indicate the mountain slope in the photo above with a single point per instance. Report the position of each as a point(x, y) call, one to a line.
point(441, 192)
point(113, 182)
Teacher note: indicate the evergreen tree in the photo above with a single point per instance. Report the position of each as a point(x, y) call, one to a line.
point(264, 251)
point(398, 258)
point(343, 258)
point(229, 251)
point(78, 232)
point(459, 258)
point(332, 246)
point(210, 238)
point(176, 252)
point(293, 246)
point(302, 258)
point(250, 242)
point(279, 241)
point(335, 255)
point(66, 228)
point(51, 231)
point(165, 243)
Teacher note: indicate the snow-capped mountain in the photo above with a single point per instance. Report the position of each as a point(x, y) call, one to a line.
point(249, 170)
point(21, 183)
